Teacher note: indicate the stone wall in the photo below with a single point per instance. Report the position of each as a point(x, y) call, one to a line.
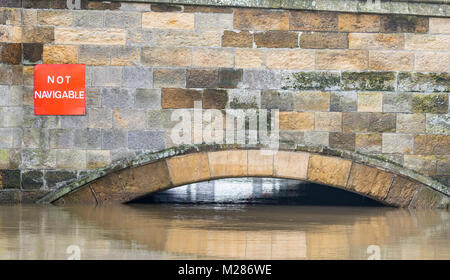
point(375, 84)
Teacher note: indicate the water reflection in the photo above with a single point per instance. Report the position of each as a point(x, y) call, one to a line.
point(222, 232)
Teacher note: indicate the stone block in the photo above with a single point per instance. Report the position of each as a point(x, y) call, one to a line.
point(323, 40)
point(313, 21)
point(403, 23)
point(260, 163)
point(137, 77)
point(311, 80)
point(345, 141)
point(146, 179)
point(296, 121)
point(277, 99)
point(431, 62)
point(438, 124)
point(32, 53)
point(328, 170)
point(225, 164)
point(316, 138)
point(290, 59)
point(114, 139)
point(95, 55)
point(106, 76)
point(11, 53)
point(292, 165)
point(213, 57)
point(166, 56)
point(439, 25)
point(129, 119)
point(60, 54)
point(425, 82)
point(34, 34)
point(98, 36)
point(394, 143)
point(342, 60)
point(208, 22)
point(189, 168)
point(121, 98)
point(174, 98)
point(391, 60)
point(328, 121)
point(202, 78)
point(358, 22)
point(343, 101)
point(376, 81)
point(368, 143)
point(411, 123)
point(370, 102)
point(376, 41)
point(426, 198)
point(397, 102)
point(238, 39)
point(55, 17)
point(430, 103)
point(249, 58)
point(214, 99)
point(312, 101)
point(261, 79)
point(276, 39)
point(169, 78)
point(258, 19)
point(369, 181)
point(427, 42)
point(71, 159)
point(54, 178)
point(168, 20)
point(124, 56)
point(97, 159)
point(88, 18)
point(431, 144)
point(183, 38)
point(229, 78)
point(122, 19)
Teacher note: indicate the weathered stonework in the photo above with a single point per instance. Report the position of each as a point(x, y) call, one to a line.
point(363, 80)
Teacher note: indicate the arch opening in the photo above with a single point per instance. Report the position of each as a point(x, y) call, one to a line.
point(257, 191)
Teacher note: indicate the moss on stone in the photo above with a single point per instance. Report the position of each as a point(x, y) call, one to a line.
point(430, 103)
point(383, 81)
point(312, 81)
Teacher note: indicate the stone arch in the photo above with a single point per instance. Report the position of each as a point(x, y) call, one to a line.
point(368, 176)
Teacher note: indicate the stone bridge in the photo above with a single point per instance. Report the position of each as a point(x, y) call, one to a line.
point(362, 91)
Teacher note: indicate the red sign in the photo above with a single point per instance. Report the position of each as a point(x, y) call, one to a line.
point(59, 89)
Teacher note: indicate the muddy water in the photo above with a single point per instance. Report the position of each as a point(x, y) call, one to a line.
point(169, 231)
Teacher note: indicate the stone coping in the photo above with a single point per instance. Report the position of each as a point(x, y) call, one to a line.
point(147, 158)
point(439, 8)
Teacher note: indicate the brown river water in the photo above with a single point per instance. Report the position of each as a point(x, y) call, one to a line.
point(171, 231)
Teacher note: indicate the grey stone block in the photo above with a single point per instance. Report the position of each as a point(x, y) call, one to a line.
point(99, 118)
point(110, 76)
point(118, 98)
point(343, 101)
point(88, 18)
point(122, 19)
point(90, 138)
point(277, 99)
point(146, 140)
point(137, 77)
point(397, 102)
point(169, 78)
point(32, 179)
point(114, 139)
point(261, 79)
point(54, 178)
point(38, 158)
point(74, 122)
point(61, 138)
point(148, 99)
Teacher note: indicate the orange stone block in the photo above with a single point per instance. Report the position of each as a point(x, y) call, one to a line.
point(188, 168)
point(369, 180)
point(328, 170)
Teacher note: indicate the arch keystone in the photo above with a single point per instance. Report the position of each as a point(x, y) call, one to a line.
point(188, 168)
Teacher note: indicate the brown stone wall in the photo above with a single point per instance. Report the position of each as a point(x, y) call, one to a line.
point(375, 84)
